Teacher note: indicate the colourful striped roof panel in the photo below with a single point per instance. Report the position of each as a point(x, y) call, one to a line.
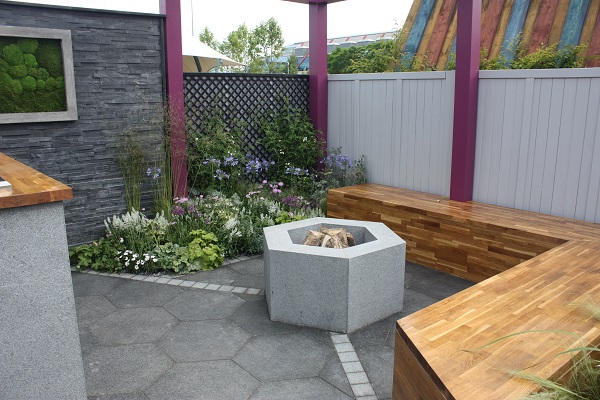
point(430, 27)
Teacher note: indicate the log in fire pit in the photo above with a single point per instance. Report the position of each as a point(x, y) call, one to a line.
point(334, 238)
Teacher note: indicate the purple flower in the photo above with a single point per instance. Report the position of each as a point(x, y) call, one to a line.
point(177, 211)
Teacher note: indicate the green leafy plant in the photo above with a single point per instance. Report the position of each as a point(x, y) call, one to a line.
point(100, 255)
point(132, 156)
point(290, 139)
point(204, 248)
point(548, 57)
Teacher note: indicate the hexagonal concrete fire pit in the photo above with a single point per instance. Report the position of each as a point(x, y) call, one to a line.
point(333, 289)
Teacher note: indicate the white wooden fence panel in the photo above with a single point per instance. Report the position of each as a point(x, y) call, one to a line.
point(538, 135)
point(400, 122)
point(538, 141)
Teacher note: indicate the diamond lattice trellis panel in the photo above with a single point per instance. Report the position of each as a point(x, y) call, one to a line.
point(243, 97)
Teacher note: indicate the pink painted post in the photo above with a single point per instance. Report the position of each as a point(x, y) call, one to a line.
point(317, 16)
point(174, 66)
point(317, 36)
point(465, 99)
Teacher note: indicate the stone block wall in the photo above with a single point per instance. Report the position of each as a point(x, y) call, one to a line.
point(118, 59)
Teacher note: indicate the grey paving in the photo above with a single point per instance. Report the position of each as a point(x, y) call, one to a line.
point(123, 369)
point(89, 285)
point(298, 389)
point(133, 325)
point(378, 362)
point(211, 380)
point(92, 308)
point(221, 339)
point(334, 374)
point(148, 341)
point(198, 305)
point(142, 294)
point(277, 357)
point(253, 316)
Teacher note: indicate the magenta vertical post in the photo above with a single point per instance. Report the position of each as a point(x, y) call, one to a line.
point(317, 17)
point(465, 99)
point(174, 69)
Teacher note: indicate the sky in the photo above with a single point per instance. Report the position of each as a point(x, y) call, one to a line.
point(345, 18)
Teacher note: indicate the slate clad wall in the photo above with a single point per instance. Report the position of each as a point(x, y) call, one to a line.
point(118, 78)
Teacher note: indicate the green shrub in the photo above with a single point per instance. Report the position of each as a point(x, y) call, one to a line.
point(30, 61)
point(28, 45)
point(13, 55)
point(290, 139)
point(5, 79)
point(16, 86)
point(51, 84)
point(204, 248)
point(60, 82)
point(34, 72)
point(43, 73)
point(50, 56)
point(3, 66)
point(40, 84)
point(17, 71)
point(29, 83)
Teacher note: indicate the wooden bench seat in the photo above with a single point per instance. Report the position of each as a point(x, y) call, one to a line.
point(531, 267)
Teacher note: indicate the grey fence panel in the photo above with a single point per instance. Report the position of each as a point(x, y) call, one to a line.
point(538, 144)
point(400, 122)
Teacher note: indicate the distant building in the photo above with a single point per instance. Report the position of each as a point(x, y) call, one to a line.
point(300, 49)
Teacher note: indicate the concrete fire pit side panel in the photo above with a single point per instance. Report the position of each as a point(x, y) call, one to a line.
point(335, 289)
point(371, 297)
point(308, 290)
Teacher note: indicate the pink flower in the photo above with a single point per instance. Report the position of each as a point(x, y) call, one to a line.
point(274, 190)
point(183, 200)
point(264, 181)
point(201, 196)
point(280, 183)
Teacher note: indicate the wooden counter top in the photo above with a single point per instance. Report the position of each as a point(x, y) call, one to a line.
point(28, 185)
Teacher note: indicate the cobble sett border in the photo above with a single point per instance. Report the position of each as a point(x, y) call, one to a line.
point(358, 379)
point(173, 281)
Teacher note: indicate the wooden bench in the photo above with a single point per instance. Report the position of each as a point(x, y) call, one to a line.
point(531, 268)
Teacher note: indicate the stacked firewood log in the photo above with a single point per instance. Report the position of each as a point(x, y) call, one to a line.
point(336, 238)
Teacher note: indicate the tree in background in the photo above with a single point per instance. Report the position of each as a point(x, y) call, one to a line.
point(258, 48)
point(293, 62)
point(376, 57)
point(208, 38)
point(266, 42)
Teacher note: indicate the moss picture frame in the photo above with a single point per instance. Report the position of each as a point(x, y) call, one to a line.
point(66, 46)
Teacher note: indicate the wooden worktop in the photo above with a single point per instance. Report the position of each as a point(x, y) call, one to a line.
point(28, 185)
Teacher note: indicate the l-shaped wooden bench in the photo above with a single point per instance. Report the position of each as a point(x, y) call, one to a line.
point(531, 268)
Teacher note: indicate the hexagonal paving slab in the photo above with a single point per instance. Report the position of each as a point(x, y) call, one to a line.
point(199, 305)
point(378, 362)
point(92, 308)
point(126, 396)
point(133, 325)
point(254, 266)
point(92, 285)
point(298, 389)
point(253, 317)
point(142, 294)
point(210, 380)
point(123, 369)
point(278, 357)
point(204, 341)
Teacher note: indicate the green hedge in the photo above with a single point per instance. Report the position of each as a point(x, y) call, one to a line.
point(31, 76)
